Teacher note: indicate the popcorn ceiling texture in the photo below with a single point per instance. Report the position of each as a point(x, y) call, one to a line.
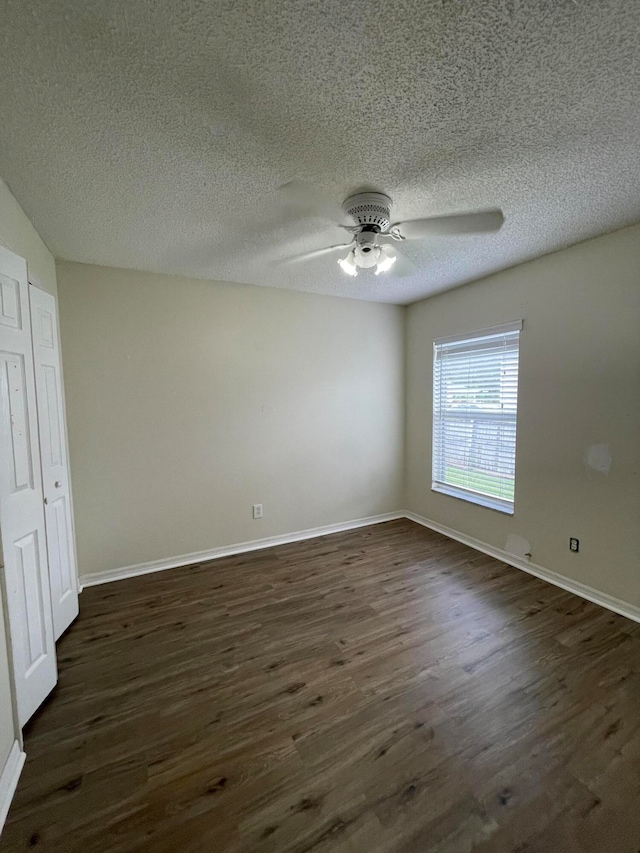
point(155, 134)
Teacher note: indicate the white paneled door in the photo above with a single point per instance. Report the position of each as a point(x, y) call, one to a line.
point(22, 523)
point(53, 456)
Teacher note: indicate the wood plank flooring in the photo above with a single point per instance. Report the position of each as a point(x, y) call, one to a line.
point(384, 690)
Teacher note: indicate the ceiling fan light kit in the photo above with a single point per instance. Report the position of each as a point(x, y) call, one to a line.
point(365, 257)
point(387, 260)
point(348, 264)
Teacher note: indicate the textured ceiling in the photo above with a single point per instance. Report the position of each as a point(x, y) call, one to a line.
point(154, 134)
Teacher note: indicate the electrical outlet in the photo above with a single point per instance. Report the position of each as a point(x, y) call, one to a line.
point(574, 545)
point(257, 510)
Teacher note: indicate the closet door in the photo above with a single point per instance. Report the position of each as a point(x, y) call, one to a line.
point(22, 525)
point(53, 457)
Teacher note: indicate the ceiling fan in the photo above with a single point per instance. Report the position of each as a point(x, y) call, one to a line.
point(373, 234)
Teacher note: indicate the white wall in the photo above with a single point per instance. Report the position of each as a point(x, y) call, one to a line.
point(18, 234)
point(579, 386)
point(189, 401)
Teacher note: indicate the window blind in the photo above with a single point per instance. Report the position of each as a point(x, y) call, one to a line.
point(475, 403)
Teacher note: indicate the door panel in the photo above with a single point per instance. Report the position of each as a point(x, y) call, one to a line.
point(25, 571)
point(30, 572)
point(51, 392)
point(10, 314)
point(60, 549)
point(15, 395)
point(53, 451)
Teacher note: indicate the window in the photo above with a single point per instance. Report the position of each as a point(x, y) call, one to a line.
point(475, 401)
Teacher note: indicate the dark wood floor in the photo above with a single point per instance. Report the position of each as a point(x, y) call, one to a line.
point(385, 689)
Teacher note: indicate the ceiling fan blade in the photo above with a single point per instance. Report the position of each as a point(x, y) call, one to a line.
point(484, 222)
point(311, 201)
point(272, 215)
point(316, 253)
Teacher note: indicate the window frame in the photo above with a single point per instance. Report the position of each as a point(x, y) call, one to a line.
point(460, 492)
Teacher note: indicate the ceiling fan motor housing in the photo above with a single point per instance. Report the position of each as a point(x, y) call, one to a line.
point(369, 210)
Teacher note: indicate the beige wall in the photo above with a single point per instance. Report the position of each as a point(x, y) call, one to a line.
point(579, 388)
point(18, 234)
point(189, 401)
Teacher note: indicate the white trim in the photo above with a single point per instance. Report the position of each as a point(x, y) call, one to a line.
point(230, 550)
point(473, 497)
point(602, 598)
point(9, 779)
point(489, 332)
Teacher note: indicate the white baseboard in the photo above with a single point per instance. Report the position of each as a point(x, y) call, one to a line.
point(584, 591)
point(9, 779)
point(231, 550)
point(577, 588)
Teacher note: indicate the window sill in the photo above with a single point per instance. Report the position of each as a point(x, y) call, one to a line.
point(473, 497)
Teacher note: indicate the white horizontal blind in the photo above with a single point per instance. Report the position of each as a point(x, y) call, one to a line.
point(475, 402)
